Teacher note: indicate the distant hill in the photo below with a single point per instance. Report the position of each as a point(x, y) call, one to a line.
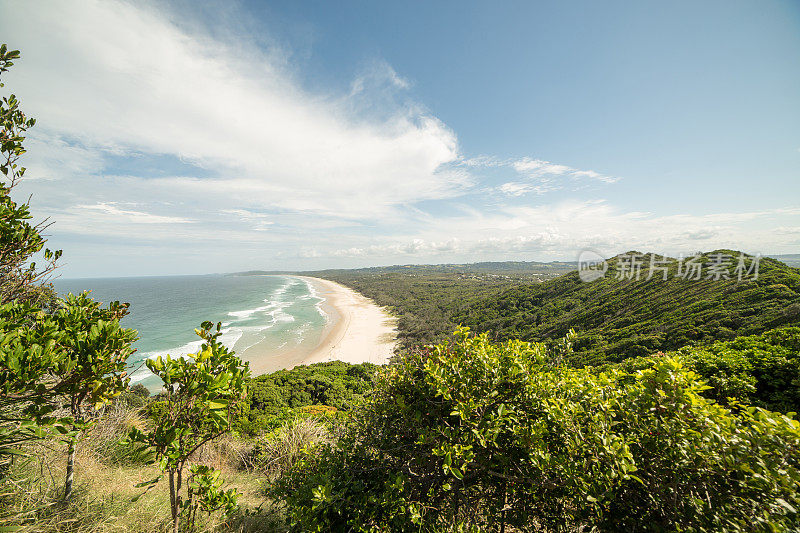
point(792, 260)
point(621, 318)
point(516, 269)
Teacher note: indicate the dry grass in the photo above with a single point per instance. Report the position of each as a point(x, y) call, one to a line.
point(105, 488)
point(227, 453)
point(278, 451)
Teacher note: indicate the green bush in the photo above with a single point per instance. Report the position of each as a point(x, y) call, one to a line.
point(471, 434)
point(762, 370)
point(275, 399)
point(759, 370)
point(135, 397)
point(277, 451)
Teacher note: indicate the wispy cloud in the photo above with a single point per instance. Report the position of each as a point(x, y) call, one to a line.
point(379, 74)
point(259, 221)
point(518, 188)
point(538, 176)
point(127, 215)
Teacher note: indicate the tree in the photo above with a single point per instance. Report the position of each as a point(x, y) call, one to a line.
point(30, 358)
point(96, 349)
point(73, 358)
point(201, 395)
point(29, 355)
point(52, 352)
point(20, 280)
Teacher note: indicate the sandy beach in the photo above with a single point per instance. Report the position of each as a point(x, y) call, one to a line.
point(358, 330)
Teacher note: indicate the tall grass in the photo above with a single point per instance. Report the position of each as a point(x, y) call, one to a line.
point(278, 451)
point(106, 472)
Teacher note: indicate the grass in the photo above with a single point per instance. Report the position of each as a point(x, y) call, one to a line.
point(277, 451)
point(106, 474)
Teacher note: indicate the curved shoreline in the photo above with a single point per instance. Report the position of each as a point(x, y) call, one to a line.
point(358, 330)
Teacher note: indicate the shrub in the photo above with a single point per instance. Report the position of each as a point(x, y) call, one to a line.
point(471, 434)
point(760, 370)
point(135, 397)
point(275, 398)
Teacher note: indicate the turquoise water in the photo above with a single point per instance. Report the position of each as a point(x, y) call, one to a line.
point(263, 317)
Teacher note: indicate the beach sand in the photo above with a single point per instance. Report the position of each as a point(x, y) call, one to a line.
point(358, 330)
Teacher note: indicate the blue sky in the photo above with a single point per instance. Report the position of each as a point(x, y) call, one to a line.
point(210, 137)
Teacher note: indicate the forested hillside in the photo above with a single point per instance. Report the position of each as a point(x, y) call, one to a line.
point(620, 318)
point(614, 318)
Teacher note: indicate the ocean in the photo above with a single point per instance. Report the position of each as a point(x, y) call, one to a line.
point(271, 318)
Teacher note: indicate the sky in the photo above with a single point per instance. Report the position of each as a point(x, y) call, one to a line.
point(199, 137)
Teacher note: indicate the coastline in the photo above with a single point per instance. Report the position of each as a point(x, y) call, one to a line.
point(358, 330)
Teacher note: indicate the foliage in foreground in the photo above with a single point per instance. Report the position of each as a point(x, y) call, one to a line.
point(105, 498)
point(60, 360)
point(57, 369)
point(481, 435)
point(20, 279)
point(63, 361)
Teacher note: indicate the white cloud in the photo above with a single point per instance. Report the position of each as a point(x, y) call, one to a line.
point(119, 76)
point(136, 217)
point(378, 74)
point(567, 227)
point(701, 234)
point(244, 214)
point(50, 157)
point(783, 230)
point(537, 167)
point(412, 247)
point(258, 221)
point(516, 188)
point(539, 176)
point(421, 247)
